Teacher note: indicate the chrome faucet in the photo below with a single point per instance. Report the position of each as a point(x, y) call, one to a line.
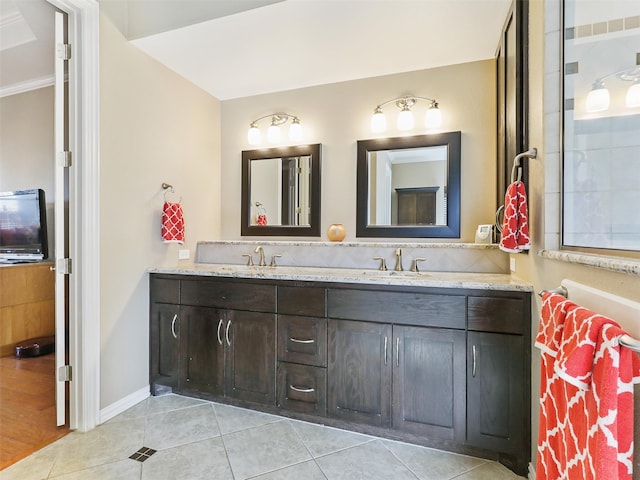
point(398, 267)
point(260, 250)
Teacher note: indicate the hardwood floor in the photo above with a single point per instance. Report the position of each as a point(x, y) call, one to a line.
point(27, 407)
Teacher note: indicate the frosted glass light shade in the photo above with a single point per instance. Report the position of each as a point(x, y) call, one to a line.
point(597, 100)
point(632, 99)
point(378, 122)
point(254, 137)
point(295, 131)
point(273, 134)
point(433, 117)
point(405, 120)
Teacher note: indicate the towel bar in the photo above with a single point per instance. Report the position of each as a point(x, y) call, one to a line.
point(625, 340)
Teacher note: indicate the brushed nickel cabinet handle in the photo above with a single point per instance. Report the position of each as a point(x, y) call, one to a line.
point(219, 326)
point(295, 340)
point(226, 333)
point(385, 350)
point(302, 390)
point(397, 351)
point(473, 361)
point(173, 326)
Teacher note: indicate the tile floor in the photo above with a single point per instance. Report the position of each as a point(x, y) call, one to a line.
point(191, 439)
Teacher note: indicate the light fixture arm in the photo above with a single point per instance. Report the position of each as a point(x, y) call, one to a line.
point(406, 100)
point(278, 118)
point(631, 74)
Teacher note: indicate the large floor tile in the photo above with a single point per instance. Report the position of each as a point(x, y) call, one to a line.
point(139, 410)
point(177, 427)
point(201, 460)
point(430, 464)
point(122, 470)
point(324, 440)
point(36, 466)
point(107, 443)
point(234, 419)
point(490, 471)
point(264, 449)
point(364, 462)
point(306, 470)
point(165, 403)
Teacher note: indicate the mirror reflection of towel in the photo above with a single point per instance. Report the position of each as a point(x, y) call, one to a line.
point(515, 228)
point(172, 223)
point(262, 219)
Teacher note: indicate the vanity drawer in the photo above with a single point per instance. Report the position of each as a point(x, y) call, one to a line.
point(302, 301)
point(227, 294)
point(164, 290)
point(302, 340)
point(493, 314)
point(406, 308)
point(302, 388)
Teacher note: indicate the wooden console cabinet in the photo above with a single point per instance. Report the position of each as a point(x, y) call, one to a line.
point(27, 303)
point(442, 367)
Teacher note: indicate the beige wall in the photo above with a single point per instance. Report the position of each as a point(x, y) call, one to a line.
point(155, 127)
point(545, 273)
point(26, 146)
point(337, 115)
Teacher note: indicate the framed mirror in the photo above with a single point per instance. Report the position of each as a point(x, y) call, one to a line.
point(281, 191)
point(409, 187)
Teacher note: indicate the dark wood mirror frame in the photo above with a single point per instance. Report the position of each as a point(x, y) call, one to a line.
point(452, 228)
point(311, 230)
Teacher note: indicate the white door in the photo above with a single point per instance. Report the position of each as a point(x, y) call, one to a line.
point(60, 223)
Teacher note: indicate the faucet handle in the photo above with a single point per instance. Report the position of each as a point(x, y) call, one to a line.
point(249, 259)
point(414, 264)
point(273, 260)
point(383, 264)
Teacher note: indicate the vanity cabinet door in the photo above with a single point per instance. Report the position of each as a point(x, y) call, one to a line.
point(359, 371)
point(201, 350)
point(496, 393)
point(164, 346)
point(429, 370)
point(250, 358)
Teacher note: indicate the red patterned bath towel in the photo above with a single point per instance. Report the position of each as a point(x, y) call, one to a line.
point(172, 223)
point(515, 226)
point(586, 404)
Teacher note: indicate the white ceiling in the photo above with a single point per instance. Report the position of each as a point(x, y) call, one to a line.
point(250, 47)
point(301, 43)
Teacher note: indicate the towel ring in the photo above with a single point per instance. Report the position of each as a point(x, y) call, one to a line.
point(533, 153)
point(169, 189)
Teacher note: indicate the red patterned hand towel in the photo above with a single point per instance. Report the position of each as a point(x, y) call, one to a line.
point(515, 227)
point(172, 223)
point(586, 405)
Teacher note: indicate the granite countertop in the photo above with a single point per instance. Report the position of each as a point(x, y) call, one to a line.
point(484, 281)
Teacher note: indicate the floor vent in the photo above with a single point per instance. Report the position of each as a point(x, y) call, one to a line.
point(142, 454)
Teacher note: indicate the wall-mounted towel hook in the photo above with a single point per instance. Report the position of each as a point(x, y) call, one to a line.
point(531, 153)
point(168, 189)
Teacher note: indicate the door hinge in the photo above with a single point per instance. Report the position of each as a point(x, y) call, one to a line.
point(64, 159)
point(63, 266)
point(63, 51)
point(64, 373)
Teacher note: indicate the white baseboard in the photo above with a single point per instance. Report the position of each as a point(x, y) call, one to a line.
point(123, 404)
point(532, 472)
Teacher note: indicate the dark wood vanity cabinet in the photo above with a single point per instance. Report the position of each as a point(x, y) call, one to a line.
point(443, 367)
point(199, 347)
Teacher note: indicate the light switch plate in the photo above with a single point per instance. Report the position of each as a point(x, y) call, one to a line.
point(512, 264)
point(183, 254)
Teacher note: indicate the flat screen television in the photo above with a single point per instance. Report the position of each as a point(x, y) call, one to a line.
point(23, 226)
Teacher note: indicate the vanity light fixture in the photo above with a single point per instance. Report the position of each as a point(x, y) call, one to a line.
point(433, 117)
point(273, 133)
point(598, 99)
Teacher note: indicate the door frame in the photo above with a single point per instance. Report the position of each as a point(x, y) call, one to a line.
point(84, 211)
